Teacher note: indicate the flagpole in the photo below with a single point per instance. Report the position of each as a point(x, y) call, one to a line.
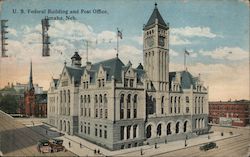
point(117, 46)
point(185, 60)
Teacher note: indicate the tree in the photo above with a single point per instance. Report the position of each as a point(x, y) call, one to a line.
point(8, 103)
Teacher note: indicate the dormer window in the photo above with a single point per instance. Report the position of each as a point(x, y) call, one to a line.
point(131, 82)
point(187, 99)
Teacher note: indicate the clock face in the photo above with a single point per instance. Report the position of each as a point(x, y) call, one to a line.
point(161, 41)
point(150, 42)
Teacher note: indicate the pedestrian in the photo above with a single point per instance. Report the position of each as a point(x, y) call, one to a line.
point(80, 145)
point(141, 152)
point(69, 144)
point(95, 151)
point(155, 145)
point(98, 151)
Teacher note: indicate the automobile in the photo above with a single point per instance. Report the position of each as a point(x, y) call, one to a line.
point(43, 146)
point(49, 146)
point(56, 145)
point(208, 146)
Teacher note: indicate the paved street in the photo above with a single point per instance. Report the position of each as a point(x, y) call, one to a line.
point(232, 147)
point(19, 140)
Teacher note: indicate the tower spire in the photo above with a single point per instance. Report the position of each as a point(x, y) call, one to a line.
point(31, 77)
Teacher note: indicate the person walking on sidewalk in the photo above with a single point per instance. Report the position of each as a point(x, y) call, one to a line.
point(80, 145)
point(69, 144)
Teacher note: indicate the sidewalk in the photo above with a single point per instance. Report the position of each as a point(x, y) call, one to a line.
point(148, 150)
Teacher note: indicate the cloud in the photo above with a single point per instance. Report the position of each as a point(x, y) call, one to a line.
point(229, 53)
point(12, 31)
point(173, 53)
point(194, 32)
point(177, 40)
point(138, 39)
point(225, 81)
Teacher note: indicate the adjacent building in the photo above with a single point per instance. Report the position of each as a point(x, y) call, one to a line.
point(230, 113)
point(35, 102)
point(117, 105)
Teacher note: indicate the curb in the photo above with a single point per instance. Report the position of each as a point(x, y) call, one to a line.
point(196, 145)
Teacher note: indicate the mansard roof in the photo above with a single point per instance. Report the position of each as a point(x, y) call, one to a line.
point(112, 66)
point(155, 15)
point(186, 79)
point(76, 73)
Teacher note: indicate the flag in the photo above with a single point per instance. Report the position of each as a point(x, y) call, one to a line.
point(186, 52)
point(119, 34)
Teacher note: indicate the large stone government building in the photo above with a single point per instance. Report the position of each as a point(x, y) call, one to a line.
point(118, 106)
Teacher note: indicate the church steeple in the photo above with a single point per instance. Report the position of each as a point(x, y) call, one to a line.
point(30, 86)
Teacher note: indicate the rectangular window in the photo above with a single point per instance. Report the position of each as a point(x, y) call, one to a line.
point(85, 129)
point(106, 113)
point(105, 133)
point(88, 129)
point(128, 131)
point(126, 83)
point(122, 114)
point(101, 113)
point(96, 131)
point(100, 134)
point(85, 112)
point(96, 113)
point(122, 132)
point(135, 113)
point(131, 83)
point(128, 113)
point(89, 112)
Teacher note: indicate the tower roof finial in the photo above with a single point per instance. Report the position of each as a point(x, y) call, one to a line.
point(155, 5)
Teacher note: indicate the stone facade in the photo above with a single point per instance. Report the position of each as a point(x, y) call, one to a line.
point(118, 106)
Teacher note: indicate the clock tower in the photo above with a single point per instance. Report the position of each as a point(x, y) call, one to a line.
point(156, 51)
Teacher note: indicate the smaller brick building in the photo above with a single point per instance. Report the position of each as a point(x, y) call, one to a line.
point(35, 105)
point(229, 113)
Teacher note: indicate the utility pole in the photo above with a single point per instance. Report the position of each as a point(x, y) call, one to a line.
point(3, 37)
point(45, 36)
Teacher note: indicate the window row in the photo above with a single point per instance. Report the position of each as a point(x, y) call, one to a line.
point(128, 106)
point(64, 95)
point(98, 98)
point(129, 132)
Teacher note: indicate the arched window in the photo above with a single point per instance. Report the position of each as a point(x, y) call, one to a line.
point(169, 129)
point(148, 131)
point(64, 94)
point(185, 126)
point(159, 130)
point(60, 96)
point(135, 106)
point(162, 105)
point(88, 98)
point(96, 99)
point(105, 99)
point(122, 106)
point(177, 127)
point(128, 106)
point(85, 99)
point(134, 131)
point(81, 127)
point(69, 96)
point(100, 97)
point(81, 99)
point(175, 101)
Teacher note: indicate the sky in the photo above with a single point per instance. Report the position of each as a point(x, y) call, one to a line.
point(215, 32)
